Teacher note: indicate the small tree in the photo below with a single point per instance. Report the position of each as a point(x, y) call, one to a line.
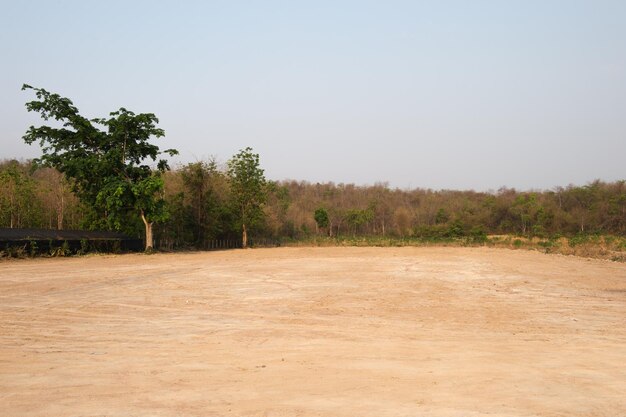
point(525, 207)
point(321, 218)
point(106, 165)
point(248, 190)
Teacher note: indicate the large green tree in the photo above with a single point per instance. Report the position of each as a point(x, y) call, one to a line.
point(106, 160)
point(248, 190)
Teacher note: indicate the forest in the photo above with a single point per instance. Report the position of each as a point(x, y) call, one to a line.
point(201, 209)
point(107, 174)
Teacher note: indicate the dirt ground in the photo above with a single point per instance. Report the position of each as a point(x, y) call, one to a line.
point(314, 332)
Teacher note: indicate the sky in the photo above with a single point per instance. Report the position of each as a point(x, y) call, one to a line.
point(529, 94)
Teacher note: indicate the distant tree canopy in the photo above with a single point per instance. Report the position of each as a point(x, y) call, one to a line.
point(105, 161)
point(201, 201)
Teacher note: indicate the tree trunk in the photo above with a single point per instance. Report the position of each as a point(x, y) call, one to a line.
point(11, 211)
point(149, 239)
point(60, 213)
point(244, 237)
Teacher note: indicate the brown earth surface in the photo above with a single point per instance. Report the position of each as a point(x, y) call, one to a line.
point(314, 332)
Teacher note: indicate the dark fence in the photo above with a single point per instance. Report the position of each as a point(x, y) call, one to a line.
point(21, 242)
point(68, 247)
point(264, 243)
point(222, 244)
point(218, 244)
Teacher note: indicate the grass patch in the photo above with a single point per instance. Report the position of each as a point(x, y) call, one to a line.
point(591, 246)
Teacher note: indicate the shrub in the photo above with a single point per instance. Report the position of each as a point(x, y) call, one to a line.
point(539, 231)
point(579, 239)
point(434, 232)
point(84, 247)
point(456, 229)
point(32, 246)
point(63, 250)
point(478, 235)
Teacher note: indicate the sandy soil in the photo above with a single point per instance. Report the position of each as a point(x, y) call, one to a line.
point(314, 332)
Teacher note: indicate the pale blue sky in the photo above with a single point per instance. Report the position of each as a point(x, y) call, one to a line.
point(439, 94)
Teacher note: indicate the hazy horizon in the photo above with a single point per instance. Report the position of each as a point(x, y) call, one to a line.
point(445, 95)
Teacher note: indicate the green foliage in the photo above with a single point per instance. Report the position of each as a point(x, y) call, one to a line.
point(456, 229)
point(478, 235)
point(283, 199)
point(61, 250)
point(437, 232)
point(356, 218)
point(580, 239)
point(248, 189)
point(525, 208)
point(19, 206)
point(15, 251)
point(206, 214)
point(442, 216)
point(538, 230)
point(84, 247)
point(305, 230)
point(549, 245)
point(105, 158)
point(321, 217)
point(276, 222)
point(32, 247)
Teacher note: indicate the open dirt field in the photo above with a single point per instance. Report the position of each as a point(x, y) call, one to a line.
point(314, 332)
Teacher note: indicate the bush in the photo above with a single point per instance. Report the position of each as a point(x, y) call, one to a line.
point(15, 251)
point(32, 246)
point(434, 232)
point(539, 231)
point(456, 229)
point(84, 247)
point(579, 239)
point(478, 235)
point(63, 250)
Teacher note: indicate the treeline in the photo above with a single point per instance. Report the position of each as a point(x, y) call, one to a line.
point(201, 210)
point(37, 197)
point(596, 208)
